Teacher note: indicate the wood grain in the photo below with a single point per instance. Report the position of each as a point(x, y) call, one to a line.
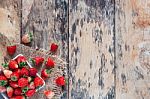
point(10, 19)
point(91, 49)
point(132, 49)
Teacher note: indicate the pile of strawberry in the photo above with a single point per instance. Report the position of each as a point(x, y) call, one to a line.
point(19, 79)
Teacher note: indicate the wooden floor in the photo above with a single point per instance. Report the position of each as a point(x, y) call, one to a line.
point(105, 42)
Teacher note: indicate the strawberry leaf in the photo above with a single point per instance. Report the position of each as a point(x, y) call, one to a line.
point(3, 83)
point(48, 71)
point(25, 89)
point(31, 36)
point(22, 64)
point(5, 65)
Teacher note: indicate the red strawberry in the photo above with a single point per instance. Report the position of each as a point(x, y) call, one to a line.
point(30, 93)
point(38, 82)
point(33, 72)
point(17, 71)
point(50, 63)
point(13, 64)
point(18, 91)
point(49, 94)
point(27, 38)
point(18, 97)
point(10, 91)
point(13, 84)
point(21, 60)
point(14, 76)
point(60, 81)
point(24, 72)
point(7, 73)
point(53, 47)
point(22, 82)
point(44, 78)
point(46, 72)
point(3, 81)
point(2, 89)
point(31, 85)
point(37, 60)
point(11, 49)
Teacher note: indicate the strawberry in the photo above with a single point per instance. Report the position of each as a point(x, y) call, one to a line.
point(13, 64)
point(27, 38)
point(53, 47)
point(14, 76)
point(17, 71)
point(11, 49)
point(10, 91)
point(37, 60)
point(2, 89)
point(31, 85)
point(21, 60)
point(38, 82)
point(50, 63)
point(22, 82)
point(7, 73)
point(24, 72)
point(60, 81)
point(49, 94)
point(46, 72)
point(43, 77)
point(18, 97)
point(3, 81)
point(30, 93)
point(13, 84)
point(17, 91)
point(33, 72)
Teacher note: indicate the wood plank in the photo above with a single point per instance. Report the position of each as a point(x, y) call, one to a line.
point(132, 49)
point(62, 37)
point(47, 20)
point(91, 49)
point(9, 24)
point(10, 19)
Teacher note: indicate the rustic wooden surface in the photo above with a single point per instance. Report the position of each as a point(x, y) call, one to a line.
point(132, 49)
point(105, 42)
point(91, 49)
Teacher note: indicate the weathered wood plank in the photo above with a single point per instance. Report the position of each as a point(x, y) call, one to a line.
point(61, 36)
point(47, 20)
point(91, 49)
point(9, 24)
point(38, 18)
point(10, 19)
point(132, 49)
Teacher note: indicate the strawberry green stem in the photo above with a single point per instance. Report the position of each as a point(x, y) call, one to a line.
point(5, 65)
point(3, 83)
point(22, 64)
point(25, 89)
point(14, 78)
point(48, 71)
point(31, 36)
